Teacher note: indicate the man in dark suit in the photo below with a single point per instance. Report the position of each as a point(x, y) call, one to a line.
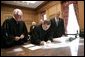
point(14, 30)
point(57, 24)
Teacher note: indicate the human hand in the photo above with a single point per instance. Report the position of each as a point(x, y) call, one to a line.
point(43, 43)
point(17, 38)
point(48, 41)
point(22, 36)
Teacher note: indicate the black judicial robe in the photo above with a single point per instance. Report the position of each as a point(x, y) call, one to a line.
point(45, 35)
point(41, 35)
point(34, 30)
point(10, 29)
point(59, 29)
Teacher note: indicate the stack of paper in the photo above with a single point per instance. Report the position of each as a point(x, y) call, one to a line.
point(17, 50)
point(35, 47)
point(28, 45)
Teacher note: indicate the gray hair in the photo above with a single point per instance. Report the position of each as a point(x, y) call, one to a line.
point(17, 12)
point(47, 22)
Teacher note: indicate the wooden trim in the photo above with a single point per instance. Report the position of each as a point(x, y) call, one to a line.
point(16, 6)
point(41, 5)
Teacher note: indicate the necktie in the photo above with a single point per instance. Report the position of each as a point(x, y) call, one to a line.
point(56, 22)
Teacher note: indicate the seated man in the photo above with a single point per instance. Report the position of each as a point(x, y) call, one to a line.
point(14, 30)
point(43, 33)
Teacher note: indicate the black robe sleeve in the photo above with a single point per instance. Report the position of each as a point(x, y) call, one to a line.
point(6, 40)
point(50, 35)
point(63, 28)
point(10, 29)
point(35, 35)
point(25, 31)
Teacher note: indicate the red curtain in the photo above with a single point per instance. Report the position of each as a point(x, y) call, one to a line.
point(65, 10)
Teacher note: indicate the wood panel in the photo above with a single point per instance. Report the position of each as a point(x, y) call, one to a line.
point(81, 14)
point(51, 8)
point(28, 15)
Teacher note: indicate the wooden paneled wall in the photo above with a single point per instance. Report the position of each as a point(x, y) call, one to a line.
point(51, 8)
point(81, 14)
point(28, 14)
point(54, 6)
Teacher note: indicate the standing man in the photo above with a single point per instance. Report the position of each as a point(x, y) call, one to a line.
point(57, 24)
point(14, 30)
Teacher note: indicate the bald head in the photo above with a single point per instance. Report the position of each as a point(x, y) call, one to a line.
point(33, 23)
point(58, 14)
point(17, 13)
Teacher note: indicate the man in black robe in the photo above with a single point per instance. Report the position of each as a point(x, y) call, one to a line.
point(14, 30)
point(43, 33)
point(33, 33)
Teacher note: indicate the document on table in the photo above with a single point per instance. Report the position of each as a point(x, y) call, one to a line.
point(61, 42)
point(54, 45)
point(28, 45)
point(31, 47)
point(35, 47)
point(46, 46)
point(17, 50)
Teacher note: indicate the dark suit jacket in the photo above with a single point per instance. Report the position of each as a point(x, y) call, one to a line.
point(58, 30)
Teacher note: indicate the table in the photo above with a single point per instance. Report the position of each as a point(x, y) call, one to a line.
point(62, 51)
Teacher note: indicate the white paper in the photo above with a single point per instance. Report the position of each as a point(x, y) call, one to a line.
point(28, 45)
point(35, 47)
point(61, 39)
point(17, 49)
point(54, 45)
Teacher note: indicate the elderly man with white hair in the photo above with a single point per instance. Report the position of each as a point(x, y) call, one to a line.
point(14, 30)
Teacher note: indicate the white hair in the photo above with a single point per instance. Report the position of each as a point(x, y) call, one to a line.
point(18, 12)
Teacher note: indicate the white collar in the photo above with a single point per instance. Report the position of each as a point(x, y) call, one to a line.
point(56, 19)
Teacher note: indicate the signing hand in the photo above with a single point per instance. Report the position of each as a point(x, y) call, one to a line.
point(48, 41)
point(17, 38)
point(43, 43)
point(22, 36)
